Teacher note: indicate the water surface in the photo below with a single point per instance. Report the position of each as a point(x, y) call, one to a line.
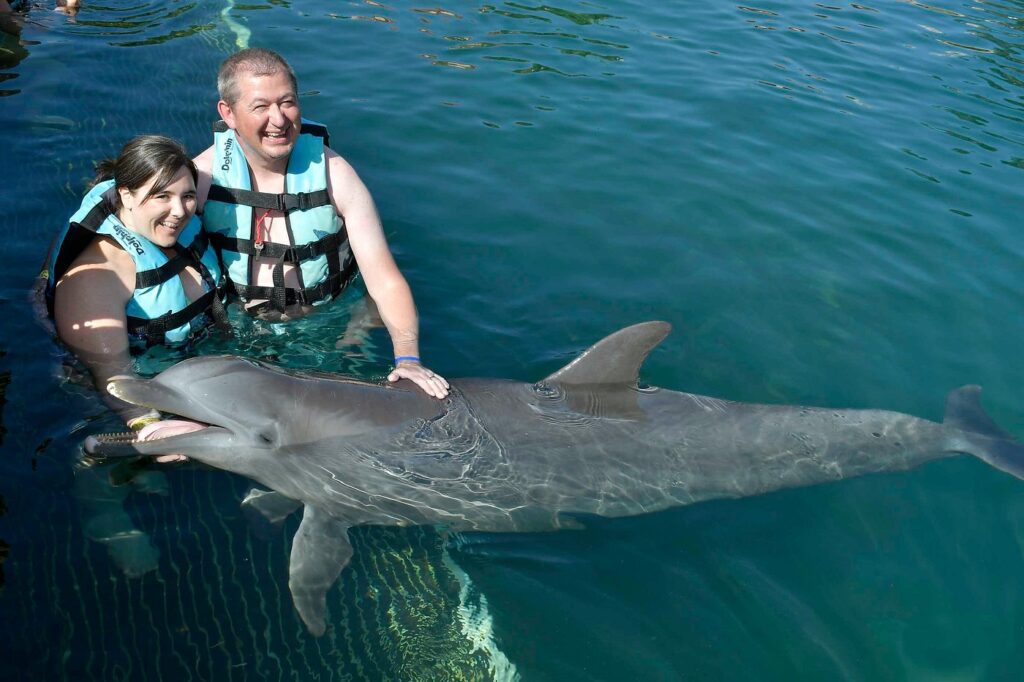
point(823, 199)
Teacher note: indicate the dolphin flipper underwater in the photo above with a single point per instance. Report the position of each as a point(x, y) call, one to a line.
point(505, 456)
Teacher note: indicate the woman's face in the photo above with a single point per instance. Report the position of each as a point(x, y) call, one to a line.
point(160, 217)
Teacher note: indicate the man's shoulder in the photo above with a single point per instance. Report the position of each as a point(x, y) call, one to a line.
point(204, 160)
point(332, 156)
point(204, 164)
point(337, 166)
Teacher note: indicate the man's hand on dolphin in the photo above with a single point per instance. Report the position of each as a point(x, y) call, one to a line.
point(432, 384)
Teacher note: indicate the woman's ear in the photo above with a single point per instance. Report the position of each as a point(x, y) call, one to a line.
point(126, 197)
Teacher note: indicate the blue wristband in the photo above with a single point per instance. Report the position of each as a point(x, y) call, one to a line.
point(411, 358)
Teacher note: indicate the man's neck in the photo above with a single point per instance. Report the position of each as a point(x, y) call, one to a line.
point(268, 175)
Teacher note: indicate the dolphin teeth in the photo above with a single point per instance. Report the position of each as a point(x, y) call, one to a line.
point(118, 437)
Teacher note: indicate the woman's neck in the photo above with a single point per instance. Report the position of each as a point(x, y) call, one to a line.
point(125, 217)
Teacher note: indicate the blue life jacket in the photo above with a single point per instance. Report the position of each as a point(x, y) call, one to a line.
point(318, 243)
point(159, 311)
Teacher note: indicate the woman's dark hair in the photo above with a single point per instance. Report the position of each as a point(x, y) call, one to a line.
point(143, 157)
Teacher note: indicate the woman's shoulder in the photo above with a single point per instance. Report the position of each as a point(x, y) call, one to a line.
point(103, 253)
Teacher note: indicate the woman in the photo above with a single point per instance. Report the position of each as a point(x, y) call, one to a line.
point(133, 267)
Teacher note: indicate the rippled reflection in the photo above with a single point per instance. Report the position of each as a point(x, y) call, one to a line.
point(142, 24)
point(970, 55)
point(511, 33)
point(822, 195)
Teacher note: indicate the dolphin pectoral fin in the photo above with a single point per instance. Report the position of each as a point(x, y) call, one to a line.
point(566, 522)
point(270, 505)
point(320, 550)
point(615, 359)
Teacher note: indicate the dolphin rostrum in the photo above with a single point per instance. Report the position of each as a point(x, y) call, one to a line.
point(498, 455)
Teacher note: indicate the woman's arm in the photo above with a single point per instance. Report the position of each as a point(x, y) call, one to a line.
point(89, 312)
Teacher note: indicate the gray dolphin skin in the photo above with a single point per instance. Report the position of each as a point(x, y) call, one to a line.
point(504, 456)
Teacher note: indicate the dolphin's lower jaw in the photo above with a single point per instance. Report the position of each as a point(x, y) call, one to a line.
point(127, 444)
point(118, 444)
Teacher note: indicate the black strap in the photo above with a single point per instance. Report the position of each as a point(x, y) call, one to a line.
point(79, 235)
point(279, 295)
point(170, 269)
point(103, 209)
point(217, 311)
point(285, 202)
point(156, 328)
point(334, 269)
point(289, 254)
point(317, 129)
point(174, 265)
point(332, 285)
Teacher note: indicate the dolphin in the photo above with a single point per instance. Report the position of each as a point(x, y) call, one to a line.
point(505, 456)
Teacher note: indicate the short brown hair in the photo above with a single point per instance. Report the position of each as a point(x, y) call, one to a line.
point(258, 61)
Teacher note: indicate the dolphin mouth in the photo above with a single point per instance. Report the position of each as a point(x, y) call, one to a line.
point(127, 443)
point(151, 394)
point(115, 444)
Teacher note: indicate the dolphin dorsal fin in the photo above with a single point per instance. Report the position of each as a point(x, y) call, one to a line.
point(615, 359)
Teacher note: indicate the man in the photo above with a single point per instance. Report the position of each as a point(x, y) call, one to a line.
point(279, 204)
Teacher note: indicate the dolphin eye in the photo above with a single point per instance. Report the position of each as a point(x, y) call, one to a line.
point(265, 439)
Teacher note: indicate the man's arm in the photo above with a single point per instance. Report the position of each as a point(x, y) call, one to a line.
point(384, 282)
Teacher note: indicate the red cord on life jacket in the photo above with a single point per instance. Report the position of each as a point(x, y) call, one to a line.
point(257, 242)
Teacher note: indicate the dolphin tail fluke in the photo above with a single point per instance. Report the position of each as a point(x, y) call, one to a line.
point(983, 437)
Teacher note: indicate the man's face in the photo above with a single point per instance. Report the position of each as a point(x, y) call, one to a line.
point(266, 117)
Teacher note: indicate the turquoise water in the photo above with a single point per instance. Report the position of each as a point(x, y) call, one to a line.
point(824, 200)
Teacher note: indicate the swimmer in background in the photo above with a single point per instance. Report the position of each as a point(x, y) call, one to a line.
point(69, 7)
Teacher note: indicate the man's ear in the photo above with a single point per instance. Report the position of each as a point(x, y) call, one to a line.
point(225, 113)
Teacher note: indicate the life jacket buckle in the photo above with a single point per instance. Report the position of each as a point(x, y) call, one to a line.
point(291, 202)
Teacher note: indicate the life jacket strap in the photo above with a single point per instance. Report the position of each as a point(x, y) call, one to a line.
point(286, 252)
point(95, 217)
point(174, 265)
point(155, 329)
point(285, 202)
point(78, 237)
point(281, 296)
point(217, 311)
